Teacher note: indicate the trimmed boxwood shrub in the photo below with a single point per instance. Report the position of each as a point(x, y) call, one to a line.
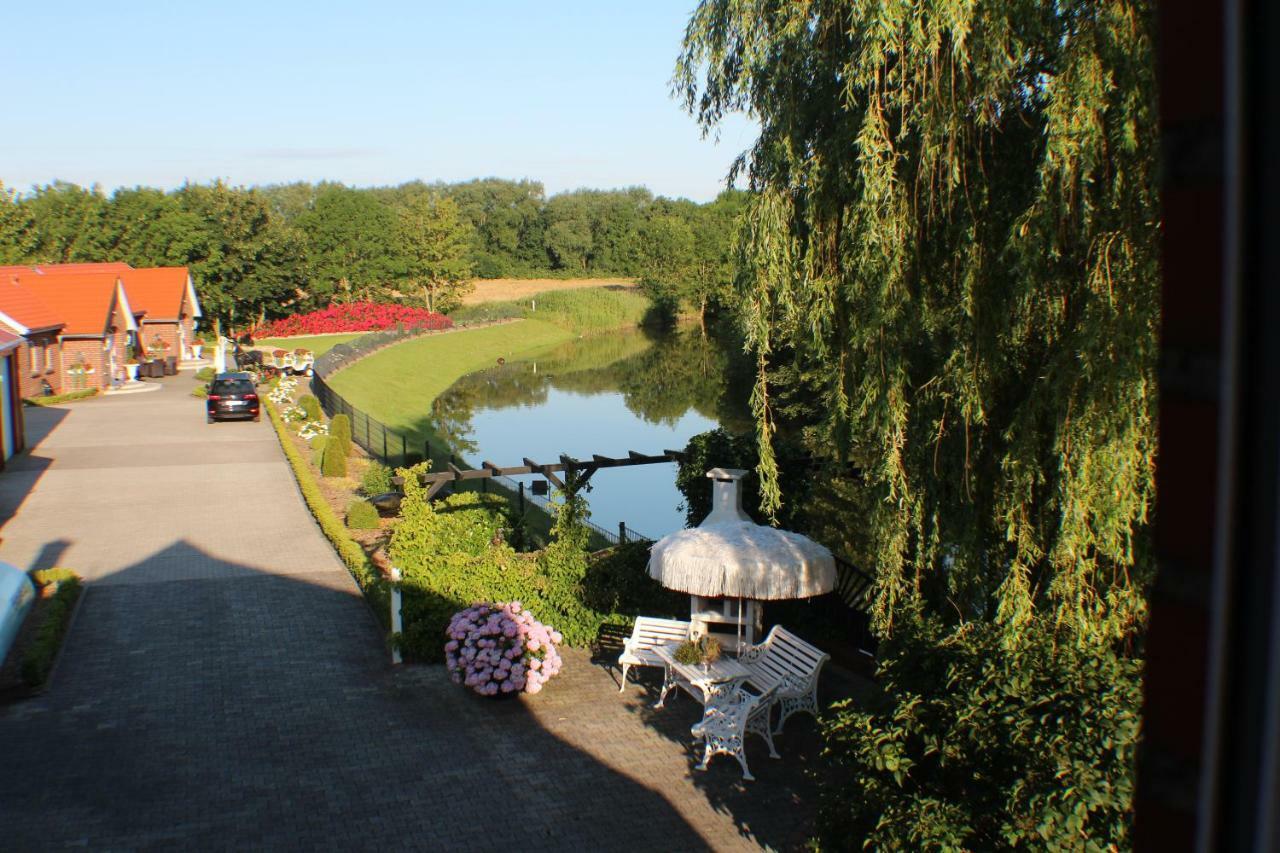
point(309, 404)
point(340, 434)
point(317, 450)
point(334, 463)
point(362, 515)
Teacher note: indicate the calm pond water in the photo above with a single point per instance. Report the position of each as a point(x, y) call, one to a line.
point(608, 394)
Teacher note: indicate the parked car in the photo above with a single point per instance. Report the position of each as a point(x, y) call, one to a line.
point(232, 395)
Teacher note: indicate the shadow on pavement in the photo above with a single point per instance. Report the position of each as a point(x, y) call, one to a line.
point(204, 702)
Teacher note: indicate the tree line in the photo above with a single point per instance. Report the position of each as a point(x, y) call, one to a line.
point(262, 252)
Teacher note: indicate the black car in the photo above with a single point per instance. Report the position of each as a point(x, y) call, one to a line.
point(232, 395)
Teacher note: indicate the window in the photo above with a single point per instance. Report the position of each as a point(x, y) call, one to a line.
point(37, 359)
point(48, 358)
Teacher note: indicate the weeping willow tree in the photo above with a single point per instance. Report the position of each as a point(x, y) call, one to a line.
point(953, 238)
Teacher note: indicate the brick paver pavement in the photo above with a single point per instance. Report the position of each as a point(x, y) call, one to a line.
point(225, 687)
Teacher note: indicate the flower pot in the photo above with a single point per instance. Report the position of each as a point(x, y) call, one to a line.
point(133, 372)
point(196, 349)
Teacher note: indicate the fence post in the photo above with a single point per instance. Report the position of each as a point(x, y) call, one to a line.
point(385, 459)
point(522, 498)
point(426, 450)
point(622, 532)
point(397, 621)
point(404, 452)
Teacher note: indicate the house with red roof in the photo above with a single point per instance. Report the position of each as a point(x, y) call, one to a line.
point(23, 313)
point(165, 302)
point(98, 323)
point(12, 425)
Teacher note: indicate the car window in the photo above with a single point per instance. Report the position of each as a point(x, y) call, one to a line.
point(231, 386)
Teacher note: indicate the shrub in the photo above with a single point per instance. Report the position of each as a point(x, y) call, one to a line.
point(204, 374)
point(37, 660)
point(61, 398)
point(376, 479)
point(317, 450)
point(496, 648)
point(456, 553)
point(201, 391)
point(340, 434)
point(310, 407)
point(1031, 747)
point(334, 463)
point(362, 515)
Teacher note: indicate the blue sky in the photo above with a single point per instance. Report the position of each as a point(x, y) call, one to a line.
point(574, 94)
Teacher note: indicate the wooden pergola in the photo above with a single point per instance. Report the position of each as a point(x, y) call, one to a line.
point(581, 470)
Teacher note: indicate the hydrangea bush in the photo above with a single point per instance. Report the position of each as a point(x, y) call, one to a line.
point(501, 648)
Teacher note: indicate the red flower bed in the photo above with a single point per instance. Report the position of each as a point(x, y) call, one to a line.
point(353, 317)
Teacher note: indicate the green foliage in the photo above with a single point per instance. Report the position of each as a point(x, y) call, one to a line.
point(55, 399)
point(362, 515)
point(456, 552)
point(961, 257)
point(204, 374)
point(333, 462)
point(340, 434)
point(318, 443)
point(350, 245)
point(201, 391)
point(311, 407)
point(435, 243)
point(376, 479)
point(1029, 746)
point(40, 654)
point(349, 550)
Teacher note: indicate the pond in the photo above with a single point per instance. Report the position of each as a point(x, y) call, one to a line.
point(607, 395)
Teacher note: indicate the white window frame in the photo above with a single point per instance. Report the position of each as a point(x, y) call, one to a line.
point(37, 359)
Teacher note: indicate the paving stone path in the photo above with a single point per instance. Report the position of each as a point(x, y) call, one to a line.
point(225, 687)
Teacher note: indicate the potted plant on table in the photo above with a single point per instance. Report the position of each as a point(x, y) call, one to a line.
point(197, 346)
point(704, 650)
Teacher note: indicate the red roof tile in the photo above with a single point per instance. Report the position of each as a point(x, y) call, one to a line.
point(23, 307)
point(158, 291)
point(109, 266)
point(83, 300)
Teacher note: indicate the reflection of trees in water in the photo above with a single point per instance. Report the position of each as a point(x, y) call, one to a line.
point(661, 378)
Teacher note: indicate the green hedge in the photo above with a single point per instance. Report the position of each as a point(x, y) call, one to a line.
point(37, 661)
point(349, 550)
point(318, 444)
point(61, 398)
point(334, 463)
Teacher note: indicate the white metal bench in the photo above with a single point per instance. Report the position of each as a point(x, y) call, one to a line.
point(789, 664)
point(649, 633)
point(726, 721)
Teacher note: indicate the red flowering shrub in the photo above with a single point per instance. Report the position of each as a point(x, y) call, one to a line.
point(353, 317)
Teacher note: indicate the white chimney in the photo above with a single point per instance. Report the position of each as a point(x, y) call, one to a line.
point(726, 497)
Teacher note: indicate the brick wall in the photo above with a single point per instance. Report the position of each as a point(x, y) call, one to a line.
point(88, 350)
point(34, 370)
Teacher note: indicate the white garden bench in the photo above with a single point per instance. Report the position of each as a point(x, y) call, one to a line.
point(649, 633)
point(790, 665)
point(725, 723)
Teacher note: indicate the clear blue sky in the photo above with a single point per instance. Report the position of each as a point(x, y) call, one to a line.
point(574, 94)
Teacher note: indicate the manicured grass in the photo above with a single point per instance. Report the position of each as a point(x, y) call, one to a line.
point(318, 344)
point(61, 398)
point(398, 384)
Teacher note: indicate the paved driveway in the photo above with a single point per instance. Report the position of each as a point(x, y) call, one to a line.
point(224, 685)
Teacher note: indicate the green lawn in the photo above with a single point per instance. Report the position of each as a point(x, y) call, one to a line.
point(398, 385)
point(318, 344)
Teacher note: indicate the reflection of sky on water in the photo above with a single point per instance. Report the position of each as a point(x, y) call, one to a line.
point(644, 496)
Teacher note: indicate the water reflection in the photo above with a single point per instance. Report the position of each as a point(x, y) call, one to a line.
point(607, 394)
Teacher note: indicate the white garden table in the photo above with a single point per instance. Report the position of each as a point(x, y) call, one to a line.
point(703, 682)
